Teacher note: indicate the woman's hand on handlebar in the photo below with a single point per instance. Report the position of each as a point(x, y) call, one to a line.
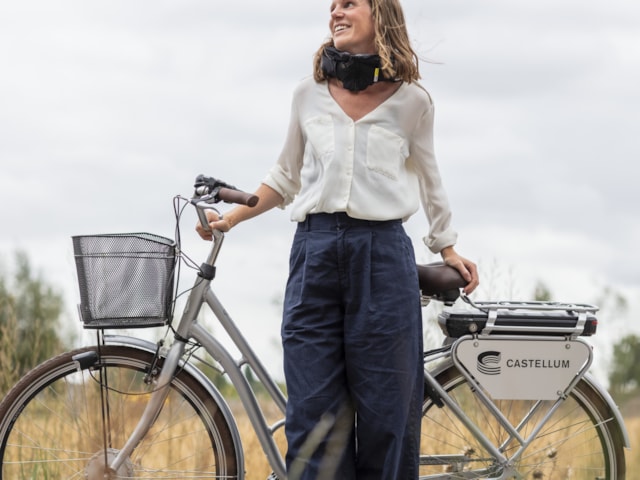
point(467, 268)
point(215, 223)
point(267, 199)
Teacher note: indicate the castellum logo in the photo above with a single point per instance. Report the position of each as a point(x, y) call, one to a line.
point(489, 363)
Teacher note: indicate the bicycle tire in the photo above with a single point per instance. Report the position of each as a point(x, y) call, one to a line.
point(581, 441)
point(51, 422)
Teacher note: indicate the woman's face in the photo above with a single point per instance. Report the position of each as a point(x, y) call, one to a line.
point(352, 27)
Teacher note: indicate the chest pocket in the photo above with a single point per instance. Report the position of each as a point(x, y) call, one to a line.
point(386, 152)
point(320, 137)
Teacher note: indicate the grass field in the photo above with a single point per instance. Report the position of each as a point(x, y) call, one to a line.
point(257, 467)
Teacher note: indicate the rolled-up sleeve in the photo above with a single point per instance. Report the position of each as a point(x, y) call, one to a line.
point(284, 176)
point(432, 193)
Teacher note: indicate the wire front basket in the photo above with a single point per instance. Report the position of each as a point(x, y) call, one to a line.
point(126, 280)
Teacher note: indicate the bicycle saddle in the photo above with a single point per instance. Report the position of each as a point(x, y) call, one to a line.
point(440, 281)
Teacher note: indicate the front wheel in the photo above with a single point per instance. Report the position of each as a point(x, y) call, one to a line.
point(64, 422)
point(580, 441)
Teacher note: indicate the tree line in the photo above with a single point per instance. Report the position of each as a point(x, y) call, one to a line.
point(30, 314)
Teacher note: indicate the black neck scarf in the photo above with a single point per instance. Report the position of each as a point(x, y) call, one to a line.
point(356, 72)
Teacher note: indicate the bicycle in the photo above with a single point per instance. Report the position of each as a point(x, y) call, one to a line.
point(507, 396)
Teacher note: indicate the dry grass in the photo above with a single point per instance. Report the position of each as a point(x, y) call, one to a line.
point(257, 467)
point(256, 464)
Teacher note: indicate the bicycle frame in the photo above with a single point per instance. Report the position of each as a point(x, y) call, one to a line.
point(508, 394)
point(189, 329)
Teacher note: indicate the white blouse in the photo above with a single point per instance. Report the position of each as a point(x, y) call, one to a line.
point(376, 168)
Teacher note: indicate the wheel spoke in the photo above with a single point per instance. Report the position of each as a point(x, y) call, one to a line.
point(576, 442)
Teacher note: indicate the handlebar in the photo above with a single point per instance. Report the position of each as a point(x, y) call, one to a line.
point(230, 195)
point(209, 190)
point(212, 190)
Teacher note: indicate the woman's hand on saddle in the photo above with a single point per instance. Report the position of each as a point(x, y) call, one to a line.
point(467, 268)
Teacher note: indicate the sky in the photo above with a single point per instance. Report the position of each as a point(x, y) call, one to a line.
point(108, 109)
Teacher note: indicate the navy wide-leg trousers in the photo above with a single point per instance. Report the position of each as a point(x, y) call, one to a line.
point(352, 338)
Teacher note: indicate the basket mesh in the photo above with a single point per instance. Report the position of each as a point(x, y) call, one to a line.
point(125, 280)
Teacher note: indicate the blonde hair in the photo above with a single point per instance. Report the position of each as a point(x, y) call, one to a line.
point(397, 58)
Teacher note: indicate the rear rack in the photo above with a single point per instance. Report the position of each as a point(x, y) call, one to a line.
point(530, 305)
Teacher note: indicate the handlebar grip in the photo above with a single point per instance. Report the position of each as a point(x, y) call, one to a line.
point(237, 196)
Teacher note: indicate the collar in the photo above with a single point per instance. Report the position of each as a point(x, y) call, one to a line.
point(355, 71)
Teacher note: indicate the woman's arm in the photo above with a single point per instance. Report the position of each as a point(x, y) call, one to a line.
point(268, 198)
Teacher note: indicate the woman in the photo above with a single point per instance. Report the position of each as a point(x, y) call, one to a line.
point(357, 160)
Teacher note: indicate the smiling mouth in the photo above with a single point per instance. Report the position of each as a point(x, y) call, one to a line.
point(340, 28)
